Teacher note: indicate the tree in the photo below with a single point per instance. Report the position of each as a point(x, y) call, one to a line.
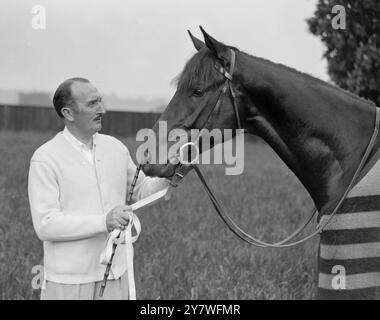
point(353, 53)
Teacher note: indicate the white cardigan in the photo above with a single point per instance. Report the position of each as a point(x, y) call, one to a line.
point(69, 199)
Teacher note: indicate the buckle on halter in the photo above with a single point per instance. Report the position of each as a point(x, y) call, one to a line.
point(180, 172)
point(177, 177)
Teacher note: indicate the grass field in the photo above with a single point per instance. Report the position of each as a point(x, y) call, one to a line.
point(184, 250)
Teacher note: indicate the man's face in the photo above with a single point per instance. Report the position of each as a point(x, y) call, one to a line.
point(89, 110)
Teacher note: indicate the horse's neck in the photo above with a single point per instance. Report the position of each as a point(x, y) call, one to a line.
point(320, 132)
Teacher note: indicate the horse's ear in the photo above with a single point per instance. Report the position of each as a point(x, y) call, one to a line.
point(198, 44)
point(214, 46)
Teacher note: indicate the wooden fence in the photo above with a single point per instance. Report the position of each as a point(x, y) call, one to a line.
point(30, 118)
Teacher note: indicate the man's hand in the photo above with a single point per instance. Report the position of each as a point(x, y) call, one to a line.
point(118, 218)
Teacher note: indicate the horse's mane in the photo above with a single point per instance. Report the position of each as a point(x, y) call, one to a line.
point(200, 71)
point(312, 78)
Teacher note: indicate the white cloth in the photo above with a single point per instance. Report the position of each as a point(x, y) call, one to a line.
point(127, 239)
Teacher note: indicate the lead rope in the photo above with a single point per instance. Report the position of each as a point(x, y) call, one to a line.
point(112, 241)
point(283, 244)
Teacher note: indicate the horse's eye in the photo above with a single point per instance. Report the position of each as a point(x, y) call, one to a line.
point(198, 92)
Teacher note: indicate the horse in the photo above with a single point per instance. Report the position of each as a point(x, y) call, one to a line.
point(319, 130)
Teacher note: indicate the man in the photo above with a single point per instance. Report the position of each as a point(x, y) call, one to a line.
point(77, 188)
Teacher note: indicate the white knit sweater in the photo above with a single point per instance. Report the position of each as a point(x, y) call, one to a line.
point(69, 199)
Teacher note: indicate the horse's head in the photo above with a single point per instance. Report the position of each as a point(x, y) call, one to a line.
point(203, 100)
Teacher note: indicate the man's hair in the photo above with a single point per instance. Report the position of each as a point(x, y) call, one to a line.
point(63, 96)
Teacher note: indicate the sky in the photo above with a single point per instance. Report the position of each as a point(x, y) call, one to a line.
point(134, 48)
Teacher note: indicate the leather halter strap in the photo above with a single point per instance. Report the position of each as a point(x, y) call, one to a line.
point(322, 224)
point(229, 78)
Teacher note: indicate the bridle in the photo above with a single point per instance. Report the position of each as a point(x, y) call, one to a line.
point(219, 209)
point(228, 83)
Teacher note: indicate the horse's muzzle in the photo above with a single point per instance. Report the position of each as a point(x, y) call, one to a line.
point(159, 170)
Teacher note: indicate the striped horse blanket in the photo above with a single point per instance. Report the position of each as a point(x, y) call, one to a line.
point(349, 251)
